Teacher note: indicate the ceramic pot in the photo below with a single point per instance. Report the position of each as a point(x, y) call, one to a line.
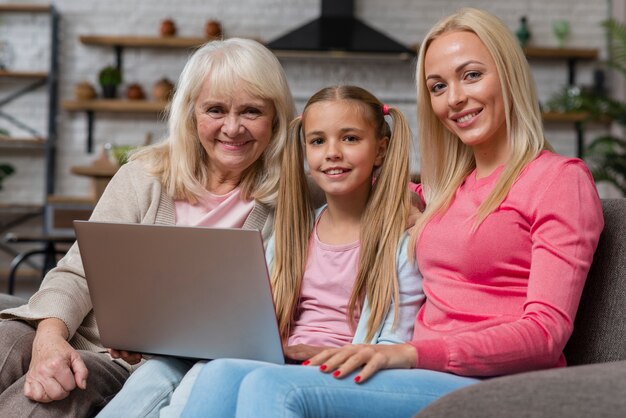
point(168, 28)
point(135, 92)
point(84, 91)
point(213, 29)
point(162, 90)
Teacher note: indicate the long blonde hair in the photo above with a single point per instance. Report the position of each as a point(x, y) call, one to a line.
point(382, 223)
point(180, 161)
point(445, 160)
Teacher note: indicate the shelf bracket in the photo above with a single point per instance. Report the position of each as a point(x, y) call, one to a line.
point(89, 131)
point(571, 72)
point(580, 139)
point(118, 57)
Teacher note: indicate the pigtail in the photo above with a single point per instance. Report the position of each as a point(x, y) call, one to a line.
point(382, 225)
point(294, 219)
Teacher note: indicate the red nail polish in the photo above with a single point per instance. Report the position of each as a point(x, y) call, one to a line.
point(306, 362)
point(336, 373)
point(323, 367)
point(357, 379)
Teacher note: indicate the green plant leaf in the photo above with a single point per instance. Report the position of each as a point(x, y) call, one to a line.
point(616, 32)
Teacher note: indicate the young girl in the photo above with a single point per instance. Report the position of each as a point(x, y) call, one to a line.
point(352, 266)
point(505, 243)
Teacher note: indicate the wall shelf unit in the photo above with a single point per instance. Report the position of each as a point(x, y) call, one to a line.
point(22, 143)
point(114, 106)
point(30, 81)
point(571, 55)
point(119, 43)
point(14, 214)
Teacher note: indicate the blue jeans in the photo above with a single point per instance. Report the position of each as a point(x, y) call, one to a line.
point(149, 389)
point(244, 388)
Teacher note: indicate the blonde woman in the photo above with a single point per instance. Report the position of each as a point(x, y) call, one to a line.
point(219, 166)
point(504, 245)
point(351, 268)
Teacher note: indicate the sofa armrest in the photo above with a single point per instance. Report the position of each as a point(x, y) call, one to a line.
point(573, 392)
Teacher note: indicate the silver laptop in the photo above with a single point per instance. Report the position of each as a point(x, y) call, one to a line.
point(182, 291)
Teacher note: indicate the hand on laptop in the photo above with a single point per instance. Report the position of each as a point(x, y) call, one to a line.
point(55, 367)
point(301, 352)
point(129, 357)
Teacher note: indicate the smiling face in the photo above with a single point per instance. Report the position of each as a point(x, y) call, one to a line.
point(342, 149)
point(465, 91)
point(234, 130)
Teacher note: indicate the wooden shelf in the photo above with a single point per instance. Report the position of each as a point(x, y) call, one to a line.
point(21, 143)
point(564, 117)
point(25, 8)
point(144, 41)
point(561, 53)
point(288, 54)
point(114, 105)
point(23, 74)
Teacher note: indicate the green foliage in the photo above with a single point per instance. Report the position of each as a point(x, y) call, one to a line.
point(616, 32)
point(110, 76)
point(5, 171)
point(121, 153)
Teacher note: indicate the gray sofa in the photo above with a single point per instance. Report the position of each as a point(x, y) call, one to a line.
point(594, 384)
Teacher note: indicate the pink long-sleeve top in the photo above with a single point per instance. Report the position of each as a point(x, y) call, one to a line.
point(503, 299)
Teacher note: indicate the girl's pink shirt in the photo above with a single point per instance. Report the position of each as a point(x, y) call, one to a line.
point(503, 299)
point(217, 211)
point(326, 288)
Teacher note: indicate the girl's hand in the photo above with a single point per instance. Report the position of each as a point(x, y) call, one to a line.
point(370, 357)
point(129, 357)
point(301, 352)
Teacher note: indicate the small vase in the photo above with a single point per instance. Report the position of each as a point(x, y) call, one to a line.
point(561, 31)
point(523, 33)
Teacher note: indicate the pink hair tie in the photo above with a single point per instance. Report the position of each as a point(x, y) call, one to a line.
point(385, 109)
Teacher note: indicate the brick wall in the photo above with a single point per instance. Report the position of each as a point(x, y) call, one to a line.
point(405, 20)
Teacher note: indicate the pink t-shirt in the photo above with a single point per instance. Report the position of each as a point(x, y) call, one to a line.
point(326, 288)
point(218, 211)
point(502, 299)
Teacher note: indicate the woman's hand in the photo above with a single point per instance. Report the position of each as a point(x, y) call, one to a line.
point(415, 210)
point(371, 357)
point(301, 352)
point(129, 357)
point(55, 368)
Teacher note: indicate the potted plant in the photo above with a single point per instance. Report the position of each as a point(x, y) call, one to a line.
point(605, 155)
point(110, 78)
point(5, 171)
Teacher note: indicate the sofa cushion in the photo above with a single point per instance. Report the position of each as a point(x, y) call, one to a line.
point(573, 392)
point(9, 301)
point(600, 326)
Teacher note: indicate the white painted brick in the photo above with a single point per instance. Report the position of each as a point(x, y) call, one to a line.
point(405, 20)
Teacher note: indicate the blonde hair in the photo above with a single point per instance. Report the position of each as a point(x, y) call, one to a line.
point(382, 223)
point(180, 161)
point(445, 160)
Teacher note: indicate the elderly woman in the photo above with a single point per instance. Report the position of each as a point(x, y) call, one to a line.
point(218, 167)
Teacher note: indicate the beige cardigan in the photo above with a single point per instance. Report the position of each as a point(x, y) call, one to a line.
point(131, 196)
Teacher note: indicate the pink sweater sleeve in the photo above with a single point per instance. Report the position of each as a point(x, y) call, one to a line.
point(565, 226)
